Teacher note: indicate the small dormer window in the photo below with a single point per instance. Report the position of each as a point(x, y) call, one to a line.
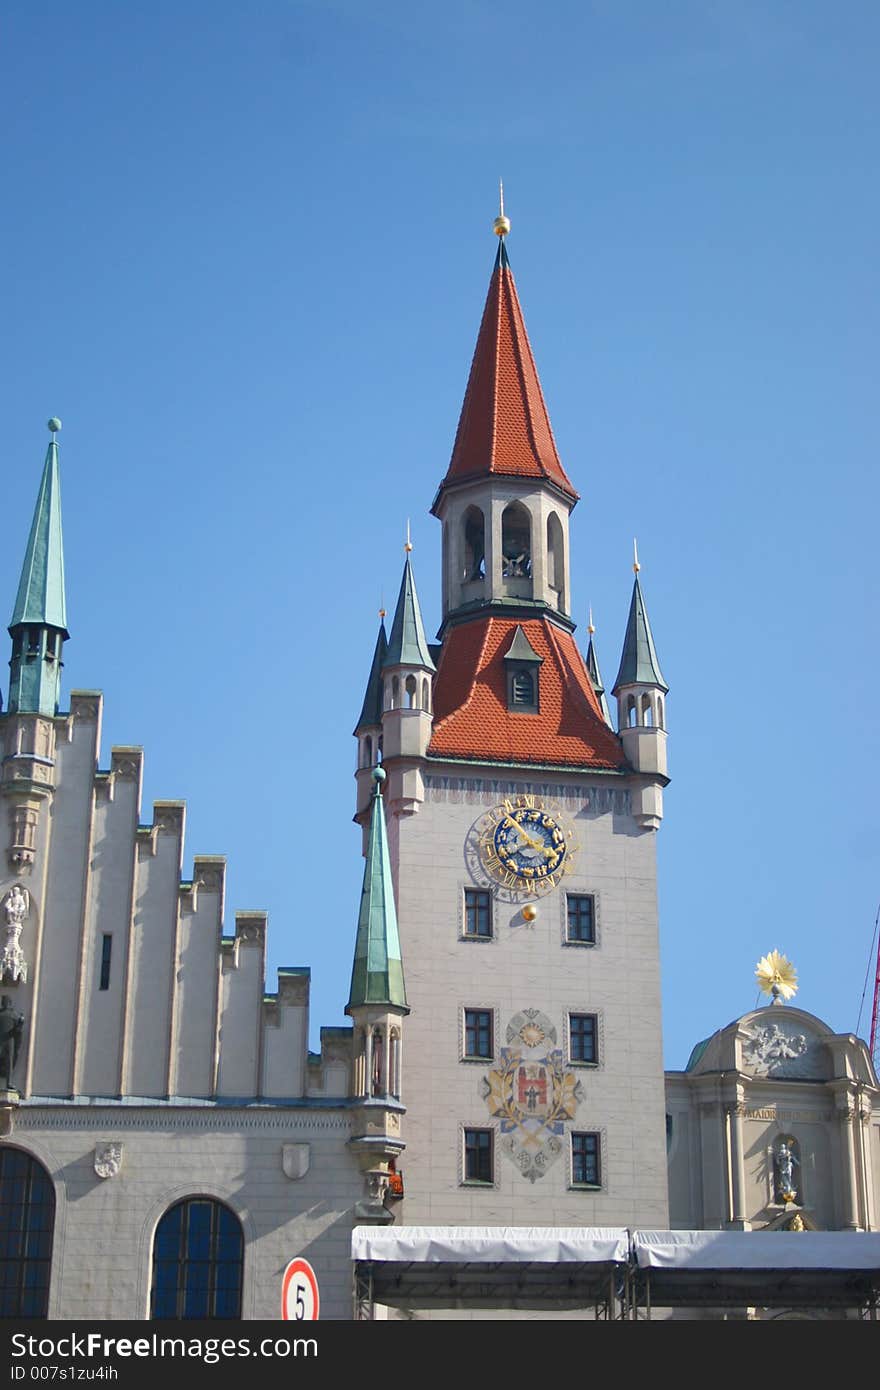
point(522, 665)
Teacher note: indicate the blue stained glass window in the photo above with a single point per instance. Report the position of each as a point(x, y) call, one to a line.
point(198, 1254)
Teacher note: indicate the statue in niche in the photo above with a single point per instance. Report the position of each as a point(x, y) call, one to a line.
point(11, 1030)
point(13, 965)
point(785, 1162)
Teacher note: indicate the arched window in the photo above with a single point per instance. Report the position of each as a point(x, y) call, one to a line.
point(647, 712)
point(474, 545)
point(395, 693)
point(368, 752)
point(631, 716)
point(198, 1254)
point(556, 557)
point(394, 1063)
point(27, 1220)
point(377, 1079)
point(426, 694)
point(516, 542)
point(412, 691)
point(660, 724)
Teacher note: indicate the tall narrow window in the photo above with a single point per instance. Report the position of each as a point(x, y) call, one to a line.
point(27, 1220)
point(582, 1037)
point(585, 1168)
point(106, 951)
point(478, 1155)
point(198, 1255)
point(477, 917)
point(478, 1032)
point(581, 918)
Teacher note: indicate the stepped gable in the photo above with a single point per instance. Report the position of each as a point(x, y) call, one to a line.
point(471, 717)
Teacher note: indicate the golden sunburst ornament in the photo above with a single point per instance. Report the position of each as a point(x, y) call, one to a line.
point(777, 976)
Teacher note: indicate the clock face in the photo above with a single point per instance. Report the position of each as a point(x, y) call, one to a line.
point(525, 846)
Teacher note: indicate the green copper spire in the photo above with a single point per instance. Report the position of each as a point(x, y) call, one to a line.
point(40, 599)
point(39, 619)
point(596, 675)
point(371, 710)
point(638, 662)
point(377, 973)
point(407, 645)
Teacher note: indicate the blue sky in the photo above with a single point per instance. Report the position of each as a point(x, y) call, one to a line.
point(246, 252)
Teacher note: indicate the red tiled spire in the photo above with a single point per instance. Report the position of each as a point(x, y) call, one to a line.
point(504, 426)
point(471, 716)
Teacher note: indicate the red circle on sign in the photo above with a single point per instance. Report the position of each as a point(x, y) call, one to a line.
point(300, 1301)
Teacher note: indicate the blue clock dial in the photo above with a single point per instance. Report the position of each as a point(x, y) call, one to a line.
point(530, 844)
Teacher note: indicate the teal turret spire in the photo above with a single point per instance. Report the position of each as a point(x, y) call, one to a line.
point(39, 620)
point(596, 675)
point(407, 645)
point(638, 661)
point(371, 710)
point(377, 973)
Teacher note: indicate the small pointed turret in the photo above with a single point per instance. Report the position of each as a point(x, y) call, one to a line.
point(595, 674)
point(368, 729)
point(39, 620)
point(408, 676)
point(377, 974)
point(641, 716)
point(407, 645)
point(377, 1007)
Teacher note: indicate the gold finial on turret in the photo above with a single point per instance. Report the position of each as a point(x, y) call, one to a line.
point(590, 628)
point(501, 225)
point(636, 565)
point(408, 543)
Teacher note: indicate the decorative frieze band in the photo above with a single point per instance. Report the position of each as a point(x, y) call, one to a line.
point(480, 791)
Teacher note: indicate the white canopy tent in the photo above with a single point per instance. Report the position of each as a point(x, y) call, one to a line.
point(612, 1271)
point(489, 1266)
point(767, 1269)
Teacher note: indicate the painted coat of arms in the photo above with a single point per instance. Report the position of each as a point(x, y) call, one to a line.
point(531, 1094)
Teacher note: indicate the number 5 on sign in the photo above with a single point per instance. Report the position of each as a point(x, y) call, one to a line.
point(299, 1293)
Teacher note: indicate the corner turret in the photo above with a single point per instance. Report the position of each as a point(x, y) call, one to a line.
point(368, 729)
point(641, 715)
point(39, 620)
point(377, 1006)
point(407, 682)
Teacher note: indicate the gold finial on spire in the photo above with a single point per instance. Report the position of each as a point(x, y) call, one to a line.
point(408, 543)
point(501, 224)
point(590, 628)
point(636, 565)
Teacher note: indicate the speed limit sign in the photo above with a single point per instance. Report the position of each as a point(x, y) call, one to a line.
point(299, 1293)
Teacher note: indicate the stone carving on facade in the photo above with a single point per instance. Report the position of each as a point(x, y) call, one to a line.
point(108, 1159)
point(785, 1160)
point(23, 824)
point(771, 1049)
point(295, 1160)
point(11, 1031)
point(16, 905)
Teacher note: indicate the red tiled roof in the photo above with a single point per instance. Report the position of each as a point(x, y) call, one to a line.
point(504, 426)
point(471, 718)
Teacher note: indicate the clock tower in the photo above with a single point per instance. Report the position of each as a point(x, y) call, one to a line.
point(522, 833)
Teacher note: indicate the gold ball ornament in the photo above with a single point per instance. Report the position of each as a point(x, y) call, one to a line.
point(530, 912)
point(501, 225)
